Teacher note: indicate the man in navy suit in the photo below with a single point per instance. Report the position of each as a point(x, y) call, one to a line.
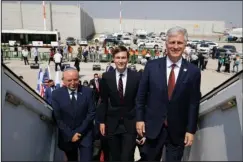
point(109, 68)
point(48, 92)
point(168, 101)
point(74, 112)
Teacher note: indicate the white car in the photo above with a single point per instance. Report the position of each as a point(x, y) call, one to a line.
point(100, 39)
point(195, 42)
point(203, 48)
point(126, 40)
point(150, 44)
point(212, 44)
point(83, 42)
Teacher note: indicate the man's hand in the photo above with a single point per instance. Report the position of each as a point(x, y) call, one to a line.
point(140, 126)
point(76, 137)
point(141, 141)
point(102, 129)
point(188, 139)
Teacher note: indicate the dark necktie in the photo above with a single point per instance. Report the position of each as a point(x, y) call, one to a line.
point(120, 88)
point(73, 99)
point(171, 85)
point(171, 82)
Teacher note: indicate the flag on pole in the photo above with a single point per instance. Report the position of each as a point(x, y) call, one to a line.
point(49, 70)
point(44, 76)
point(57, 79)
point(39, 81)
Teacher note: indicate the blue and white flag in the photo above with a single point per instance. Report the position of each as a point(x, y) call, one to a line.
point(39, 80)
point(57, 79)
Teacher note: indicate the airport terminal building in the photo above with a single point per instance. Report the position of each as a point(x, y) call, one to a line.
point(69, 20)
point(73, 21)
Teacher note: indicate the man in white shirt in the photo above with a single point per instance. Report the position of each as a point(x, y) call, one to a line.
point(168, 98)
point(58, 60)
point(25, 54)
point(35, 54)
point(117, 108)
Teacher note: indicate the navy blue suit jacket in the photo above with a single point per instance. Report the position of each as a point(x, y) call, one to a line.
point(111, 68)
point(153, 105)
point(71, 120)
point(48, 95)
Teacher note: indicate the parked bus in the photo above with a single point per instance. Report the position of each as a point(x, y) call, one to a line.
point(30, 37)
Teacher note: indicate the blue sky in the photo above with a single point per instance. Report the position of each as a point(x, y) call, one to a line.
point(228, 11)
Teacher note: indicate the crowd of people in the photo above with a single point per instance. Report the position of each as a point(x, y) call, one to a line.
point(124, 108)
point(201, 59)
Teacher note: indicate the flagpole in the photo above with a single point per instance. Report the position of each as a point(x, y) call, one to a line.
point(44, 14)
point(120, 17)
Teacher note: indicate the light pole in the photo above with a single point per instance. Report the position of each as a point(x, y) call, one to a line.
point(44, 14)
point(120, 17)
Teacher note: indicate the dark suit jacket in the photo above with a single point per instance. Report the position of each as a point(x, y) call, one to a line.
point(181, 111)
point(111, 110)
point(71, 120)
point(92, 82)
point(110, 68)
point(48, 95)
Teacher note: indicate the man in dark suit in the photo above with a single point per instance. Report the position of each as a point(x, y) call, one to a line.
point(117, 108)
point(74, 112)
point(95, 85)
point(109, 68)
point(48, 92)
point(168, 115)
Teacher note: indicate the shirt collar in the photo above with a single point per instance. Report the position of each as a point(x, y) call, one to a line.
point(69, 91)
point(169, 62)
point(118, 73)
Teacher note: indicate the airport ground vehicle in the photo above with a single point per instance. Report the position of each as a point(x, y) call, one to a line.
point(30, 37)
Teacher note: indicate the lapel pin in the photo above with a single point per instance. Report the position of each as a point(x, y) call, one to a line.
point(185, 70)
point(80, 93)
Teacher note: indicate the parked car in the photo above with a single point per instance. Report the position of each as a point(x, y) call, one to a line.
point(212, 44)
point(126, 40)
point(150, 44)
point(83, 42)
point(70, 41)
point(203, 48)
point(230, 47)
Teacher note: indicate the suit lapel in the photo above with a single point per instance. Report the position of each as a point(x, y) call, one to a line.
point(128, 83)
point(163, 77)
point(67, 95)
point(181, 76)
point(113, 82)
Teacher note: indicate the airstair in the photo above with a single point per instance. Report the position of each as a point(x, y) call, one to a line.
point(29, 133)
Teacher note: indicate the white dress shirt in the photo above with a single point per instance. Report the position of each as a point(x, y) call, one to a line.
point(57, 58)
point(25, 53)
point(176, 68)
point(70, 94)
point(35, 52)
point(124, 80)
